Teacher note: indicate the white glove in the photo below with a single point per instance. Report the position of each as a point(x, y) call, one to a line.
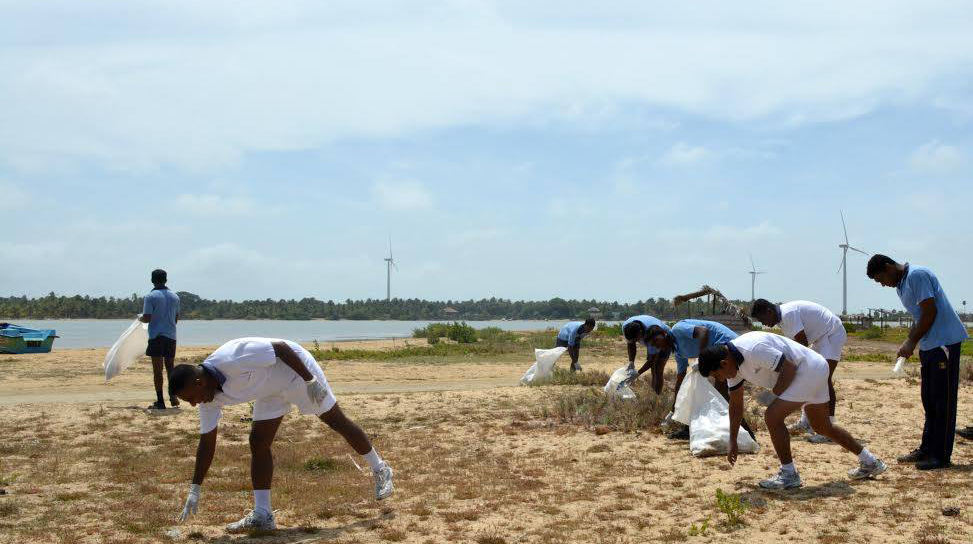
point(315, 391)
point(192, 503)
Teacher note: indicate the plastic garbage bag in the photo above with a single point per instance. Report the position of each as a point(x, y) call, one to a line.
point(544, 360)
point(129, 346)
point(619, 386)
point(707, 413)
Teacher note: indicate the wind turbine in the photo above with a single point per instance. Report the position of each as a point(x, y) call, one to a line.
point(844, 265)
point(389, 263)
point(753, 279)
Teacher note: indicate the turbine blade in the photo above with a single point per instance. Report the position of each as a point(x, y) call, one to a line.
point(752, 266)
point(842, 263)
point(395, 266)
point(858, 250)
point(843, 226)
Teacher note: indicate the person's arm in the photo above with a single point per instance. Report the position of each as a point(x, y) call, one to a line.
point(927, 317)
point(787, 371)
point(146, 310)
point(284, 352)
point(204, 456)
point(632, 352)
point(703, 334)
point(801, 338)
point(575, 352)
point(736, 416)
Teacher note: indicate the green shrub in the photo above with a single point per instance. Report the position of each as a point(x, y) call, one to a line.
point(591, 407)
point(872, 333)
point(325, 464)
point(732, 506)
point(850, 327)
point(608, 329)
point(461, 333)
point(563, 376)
point(496, 334)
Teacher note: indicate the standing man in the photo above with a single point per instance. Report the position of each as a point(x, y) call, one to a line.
point(643, 328)
point(160, 310)
point(273, 374)
point(938, 332)
point(798, 376)
point(570, 337)
point(811, 325)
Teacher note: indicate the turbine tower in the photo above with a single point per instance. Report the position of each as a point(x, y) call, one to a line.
point(844, 265)
point(753, 279)
point(389, 263)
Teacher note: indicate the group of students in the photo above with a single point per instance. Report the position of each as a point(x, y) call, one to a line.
point(798, 367)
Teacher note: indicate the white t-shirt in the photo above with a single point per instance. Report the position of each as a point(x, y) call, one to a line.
point(762, 353)
point(815, 320)
point(249, 370)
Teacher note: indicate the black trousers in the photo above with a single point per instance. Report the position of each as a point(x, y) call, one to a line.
point(940, 385)
point(573, 352)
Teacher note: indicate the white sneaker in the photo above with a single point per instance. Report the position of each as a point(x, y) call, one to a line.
point(864, 471)
point(784, 480)
point(802, 426)
point(253, 521)
point(383, 481)
point(816, 438)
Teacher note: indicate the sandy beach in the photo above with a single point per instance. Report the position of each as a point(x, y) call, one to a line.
point(476, 460)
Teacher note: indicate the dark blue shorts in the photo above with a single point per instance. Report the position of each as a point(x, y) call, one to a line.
point(161, 346)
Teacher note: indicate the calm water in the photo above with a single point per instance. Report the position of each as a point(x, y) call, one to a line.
point(102, 333)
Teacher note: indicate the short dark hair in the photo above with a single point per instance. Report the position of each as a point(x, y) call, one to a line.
point(877, 263)
point(180, 377)
point(590, 322)
point(159, 276)
point(633, 330)
point(655, 331)
point(709, 358)
point(760, 306)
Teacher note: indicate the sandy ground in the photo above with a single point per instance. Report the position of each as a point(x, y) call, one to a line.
point(475, 461)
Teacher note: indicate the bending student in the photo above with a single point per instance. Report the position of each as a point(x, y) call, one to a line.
point(811, 325)
point(273, 374)
point(570, 337)
point(798, 376)
point(643, 328)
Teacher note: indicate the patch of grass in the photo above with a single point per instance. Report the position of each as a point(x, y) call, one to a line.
point(931, 534)
point(868, 357)
point(731, 506)
point(458, 332)
point(563, 376)
point(70, 496)
point(325, 464)
point(966, 371)
point(393, 535)
point(8, 508)
point(699, 530)
point(590, 407)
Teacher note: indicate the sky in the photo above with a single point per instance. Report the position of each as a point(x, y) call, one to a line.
point(516, 149)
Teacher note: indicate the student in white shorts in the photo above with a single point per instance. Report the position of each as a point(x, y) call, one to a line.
point(811, 325)
point(799, 377)
point(274, 375)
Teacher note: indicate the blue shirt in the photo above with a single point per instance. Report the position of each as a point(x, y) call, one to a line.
point(647, 321)
point(571, 333)
point(163, 306)
point(687, 347)
point(919, 284)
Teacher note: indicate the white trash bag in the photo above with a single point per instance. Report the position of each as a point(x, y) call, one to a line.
point(129, 346)
point(707, 413)
point(618, 386)
point(544, 360)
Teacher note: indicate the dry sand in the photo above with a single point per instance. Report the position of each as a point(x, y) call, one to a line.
point(475, 461)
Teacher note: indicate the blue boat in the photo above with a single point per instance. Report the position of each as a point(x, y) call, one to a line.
point(16, 339)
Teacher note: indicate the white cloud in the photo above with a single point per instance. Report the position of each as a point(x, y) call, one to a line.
point(683, 154)
point(936, 158)
point(214, 205)
point(402, 195)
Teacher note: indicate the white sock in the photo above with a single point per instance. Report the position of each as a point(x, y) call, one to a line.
point(866, 457)
point(261, 501)
point(831, 418)
point(373, 460)
point(789, 467)
point(804, 420)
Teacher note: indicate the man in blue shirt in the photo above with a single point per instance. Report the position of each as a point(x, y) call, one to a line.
point(938, 332)
point(644, 328)
point(160, 310)
point(570, 337)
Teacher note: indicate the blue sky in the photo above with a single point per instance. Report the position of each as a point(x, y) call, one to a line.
point(515, 149)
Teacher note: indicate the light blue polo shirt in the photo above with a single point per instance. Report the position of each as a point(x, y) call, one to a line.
point(687, 347)
point(647, 321)
point(919, 284)
point(571, 333)
point(163, 306)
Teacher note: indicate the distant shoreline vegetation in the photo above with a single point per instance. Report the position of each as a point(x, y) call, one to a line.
point(193, 306)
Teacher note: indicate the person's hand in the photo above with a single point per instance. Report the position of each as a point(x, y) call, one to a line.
point(316, 391)
point(906, 349)
point(192, 503)
point(731, 453)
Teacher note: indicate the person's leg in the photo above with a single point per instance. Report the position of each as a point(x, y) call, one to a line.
point(774, 417)
point(832, 365)
point(680, 376)
point(927, 360)
point(575, 353)
point(944, 374)
point(658, 371)
point(262, 435)
point(348, 429)
point(170, 363)
point(820, 421)
point(157, 366)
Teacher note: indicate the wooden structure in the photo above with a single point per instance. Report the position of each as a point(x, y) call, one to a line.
point(720, 309)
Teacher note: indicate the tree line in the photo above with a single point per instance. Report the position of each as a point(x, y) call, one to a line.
point(193, 306)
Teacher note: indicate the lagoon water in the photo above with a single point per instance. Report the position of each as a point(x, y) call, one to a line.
point(102, 333)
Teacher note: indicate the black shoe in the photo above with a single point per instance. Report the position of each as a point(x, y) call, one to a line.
point(932, 463)
point(913, 456)
point(966, 433)
point(174, 401)
point(681, 434)
point(157, 405)
point(575, 367)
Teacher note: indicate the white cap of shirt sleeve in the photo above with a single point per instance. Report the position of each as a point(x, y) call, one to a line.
point(209, 416)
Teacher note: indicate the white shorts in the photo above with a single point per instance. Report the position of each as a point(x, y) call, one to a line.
point(830, 346)
point(810, 385)
point(278, 404)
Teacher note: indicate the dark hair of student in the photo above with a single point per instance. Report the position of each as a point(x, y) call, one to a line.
point(760, 306)
point(159, 277)
point(709, 359)
point(180, 377)
point(590, 322)
point(877, 264)
point(633, 330)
